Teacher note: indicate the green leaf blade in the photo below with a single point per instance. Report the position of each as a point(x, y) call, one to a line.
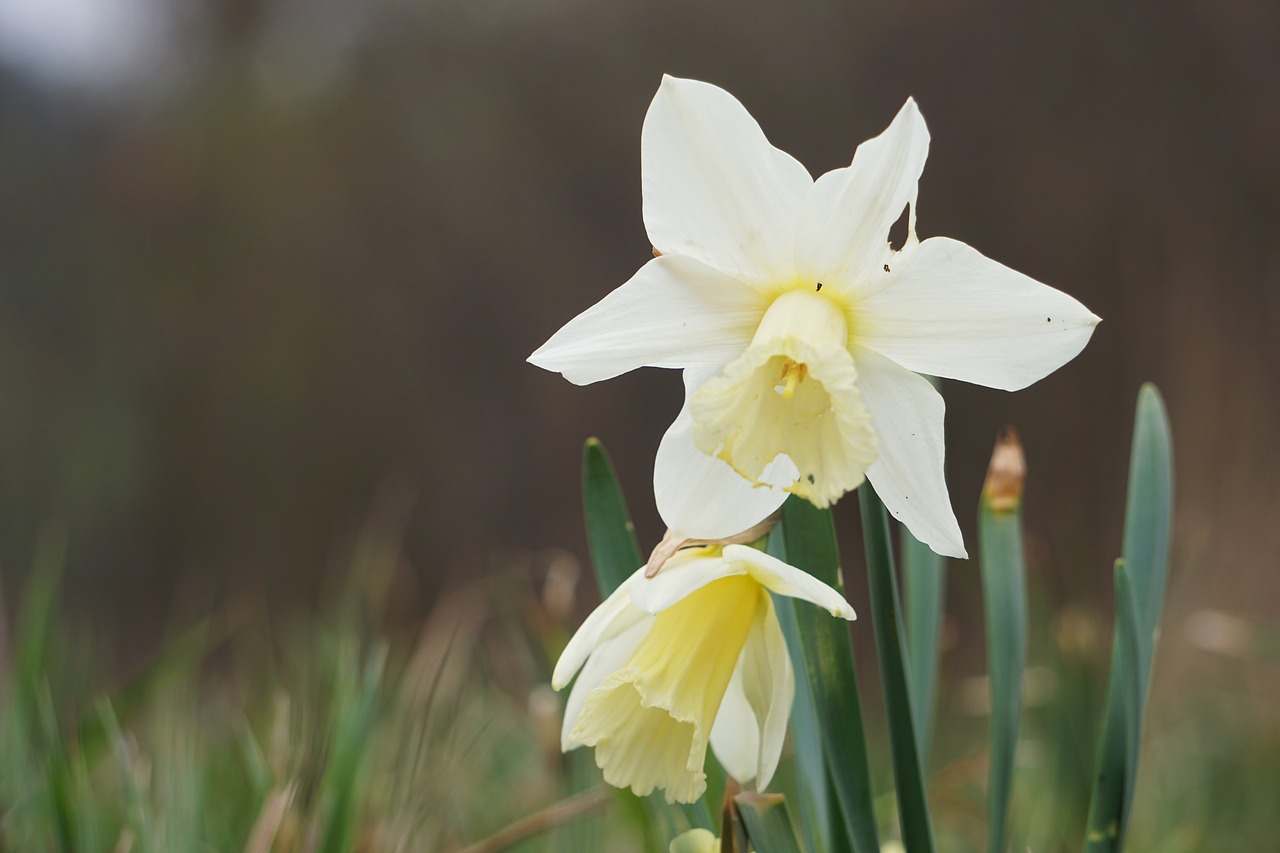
point(611, 536)
point(805, 538)
point(1148, 526)
point(1004, 594)
point(924, 584)
point(886, 617)
point(1140, 580)
point(814, 787)
point(767, 823)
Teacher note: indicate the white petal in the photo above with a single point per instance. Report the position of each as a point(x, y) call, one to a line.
point(949, 311)
point(735, 735)
point(606, 658)
point(673, 312)
point(784, 579)
point(714, 188)
point(770, 685)
point(907, 415)
point(686, 572)
point(752, 724)
point(700, 496)
point(614, 615)
point(844, 231)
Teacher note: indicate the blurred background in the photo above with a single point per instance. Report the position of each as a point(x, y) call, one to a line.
point(269, 271)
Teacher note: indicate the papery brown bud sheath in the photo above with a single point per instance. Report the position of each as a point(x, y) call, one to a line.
point(1002, 490)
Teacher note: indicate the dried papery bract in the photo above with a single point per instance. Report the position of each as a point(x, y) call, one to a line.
point(1006, 474)
point(673, 542)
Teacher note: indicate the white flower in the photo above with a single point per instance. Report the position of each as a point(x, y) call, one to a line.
point(801, 333)
point(692, 656)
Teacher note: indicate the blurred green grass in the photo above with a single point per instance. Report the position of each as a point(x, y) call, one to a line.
point(336, 729)
point(319, 731)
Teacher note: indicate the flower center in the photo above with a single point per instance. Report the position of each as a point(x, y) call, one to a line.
point(794, 392)
point(793, 373)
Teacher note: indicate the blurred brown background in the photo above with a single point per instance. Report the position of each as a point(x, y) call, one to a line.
point(268, 265)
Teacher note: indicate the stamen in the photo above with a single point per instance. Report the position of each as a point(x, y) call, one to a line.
point(793, 373)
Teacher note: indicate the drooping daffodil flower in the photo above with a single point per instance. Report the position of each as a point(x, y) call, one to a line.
point(692, 656)
point(803, 334)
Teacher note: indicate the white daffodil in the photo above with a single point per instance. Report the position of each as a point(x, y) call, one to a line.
point(803, 335)
point(692, 656)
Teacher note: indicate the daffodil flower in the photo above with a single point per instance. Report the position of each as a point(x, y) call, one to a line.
point(692, 656)
point(802, 333)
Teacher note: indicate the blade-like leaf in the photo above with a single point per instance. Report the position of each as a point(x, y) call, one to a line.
point(1004, 595)
point(815, 808)
point(355, 719)
point(35, 619)
point(924, 581)
point(806, 539)
point(767, 823)
point(611, 537)
point(1116, 753)
point(1140, 585)
point(1149, 511)
point(58, 774)
point(886, 618)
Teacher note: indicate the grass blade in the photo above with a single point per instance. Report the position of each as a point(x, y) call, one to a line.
point(767, 823)
point(1004, 595)
point(924, 581)
point(58, 774)
point(886, 618)
point(355, 718)
point(1140, 585)
point(35, 619)
point(806, 539)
